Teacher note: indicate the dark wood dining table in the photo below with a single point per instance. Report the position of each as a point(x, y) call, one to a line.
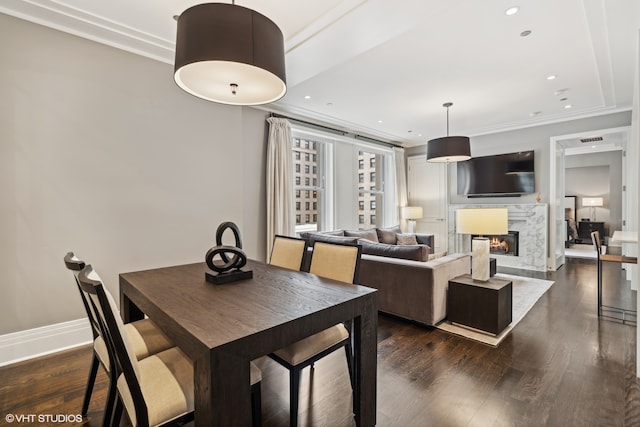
point(223, 327)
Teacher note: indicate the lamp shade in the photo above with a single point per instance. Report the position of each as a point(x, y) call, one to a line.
point(482, 221)
point(592, 201)
point(229, 54)
point(411, 212)
point(448, 149)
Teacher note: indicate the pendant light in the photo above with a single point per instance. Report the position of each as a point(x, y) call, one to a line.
point(448, 148)
point(229, 54)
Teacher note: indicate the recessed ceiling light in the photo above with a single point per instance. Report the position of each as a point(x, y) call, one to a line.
point(307, 97)
point(560, 91)
point(593, 146)
point(512, 11)
point(329, 104)
point(525, 33)
point(419, 134)
point(535, 113)
point(564, 99)
point(568, 106)
point(552, 77)
point(380, 121)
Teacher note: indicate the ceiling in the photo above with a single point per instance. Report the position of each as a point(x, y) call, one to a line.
point(384, 68)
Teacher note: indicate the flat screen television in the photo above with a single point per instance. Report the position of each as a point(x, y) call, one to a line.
point(509, 174)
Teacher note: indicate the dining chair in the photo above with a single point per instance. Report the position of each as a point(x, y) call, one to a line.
point(145, 337)
point(610, 258)
point(335, 261)
point(157, 390)
point(288, 252)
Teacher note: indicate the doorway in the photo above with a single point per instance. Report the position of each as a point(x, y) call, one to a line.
point(588, 144)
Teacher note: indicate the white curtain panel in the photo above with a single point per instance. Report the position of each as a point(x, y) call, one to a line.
point(280, 196)
point(401, 181)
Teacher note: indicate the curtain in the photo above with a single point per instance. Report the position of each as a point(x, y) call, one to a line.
point(280, 200)
point(401, 180)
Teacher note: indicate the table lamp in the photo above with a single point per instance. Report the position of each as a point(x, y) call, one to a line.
point(479, 222)
point(411, 213)
point(592, 202)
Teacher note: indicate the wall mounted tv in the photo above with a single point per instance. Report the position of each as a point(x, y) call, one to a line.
point(509, 174)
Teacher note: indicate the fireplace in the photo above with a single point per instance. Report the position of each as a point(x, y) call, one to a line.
point(504, 244)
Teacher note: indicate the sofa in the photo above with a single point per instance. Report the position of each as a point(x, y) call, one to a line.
point(411, 279)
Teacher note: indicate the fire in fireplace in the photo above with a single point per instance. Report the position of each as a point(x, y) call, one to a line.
point(504, 244)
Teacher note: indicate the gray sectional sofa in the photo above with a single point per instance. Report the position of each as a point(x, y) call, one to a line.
point(412, 281)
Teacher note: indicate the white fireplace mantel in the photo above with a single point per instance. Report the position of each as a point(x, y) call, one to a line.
point(530, 220)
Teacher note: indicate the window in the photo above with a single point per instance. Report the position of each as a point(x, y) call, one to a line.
point(371, 196)
point(308, 185)
point(320, 182)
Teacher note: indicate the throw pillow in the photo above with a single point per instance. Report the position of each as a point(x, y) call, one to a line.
point(436, 256)
point(363, 234)
point(406, 239)
point(388, 235)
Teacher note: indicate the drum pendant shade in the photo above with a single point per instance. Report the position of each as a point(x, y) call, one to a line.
point(229, 54)
point(448, 149)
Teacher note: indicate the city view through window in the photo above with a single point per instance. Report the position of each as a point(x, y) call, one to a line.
point(309, 186)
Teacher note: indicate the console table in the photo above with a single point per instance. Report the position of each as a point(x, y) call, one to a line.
point(585, 228)
point(486, 306)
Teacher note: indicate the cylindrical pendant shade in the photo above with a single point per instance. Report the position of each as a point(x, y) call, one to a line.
point(448, 149)
point(229, 54)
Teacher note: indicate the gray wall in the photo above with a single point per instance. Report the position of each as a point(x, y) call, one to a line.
point(102, 154)
point(597, 175)
point(533, 138)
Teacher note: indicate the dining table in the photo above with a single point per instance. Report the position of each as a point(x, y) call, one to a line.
point(222, 328)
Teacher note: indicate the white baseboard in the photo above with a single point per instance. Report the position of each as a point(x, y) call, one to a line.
point(23, 345)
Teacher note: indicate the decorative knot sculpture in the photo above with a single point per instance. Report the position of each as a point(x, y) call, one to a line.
point(227, 261)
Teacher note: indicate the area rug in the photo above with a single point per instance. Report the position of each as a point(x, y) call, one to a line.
point(526, 291)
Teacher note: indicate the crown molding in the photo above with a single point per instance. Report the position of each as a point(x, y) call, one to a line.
point(80, 23)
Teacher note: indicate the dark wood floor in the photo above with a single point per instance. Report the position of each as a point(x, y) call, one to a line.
point(560, 366)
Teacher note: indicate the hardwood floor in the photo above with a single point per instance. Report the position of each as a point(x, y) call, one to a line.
point(560, 366)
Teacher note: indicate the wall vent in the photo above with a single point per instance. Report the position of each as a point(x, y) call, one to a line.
point(593, 139)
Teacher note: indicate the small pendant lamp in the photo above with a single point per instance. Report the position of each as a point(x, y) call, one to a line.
point(448, 148)
point(229, 54)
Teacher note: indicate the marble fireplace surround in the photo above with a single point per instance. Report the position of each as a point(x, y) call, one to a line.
point(530, 220)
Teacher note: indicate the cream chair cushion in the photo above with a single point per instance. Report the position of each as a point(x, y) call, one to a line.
point(166, 382)
point(306, 348)
point(337, 262)
point(145, 339)
point(287, 253)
